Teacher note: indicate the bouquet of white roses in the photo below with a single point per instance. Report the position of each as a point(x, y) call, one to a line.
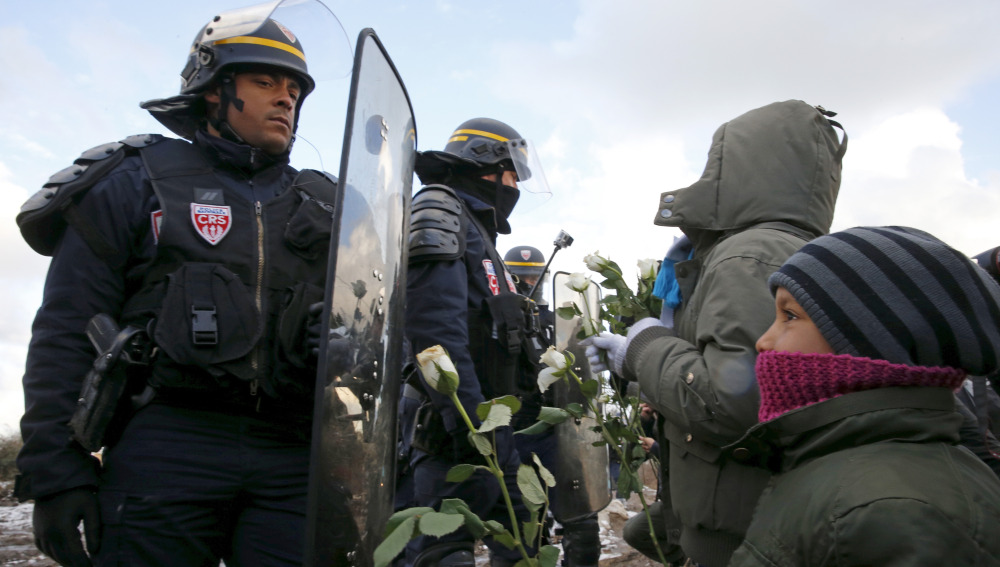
point(618, 310)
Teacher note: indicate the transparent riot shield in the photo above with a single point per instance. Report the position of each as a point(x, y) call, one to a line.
point(583, 484)
point(354, 433)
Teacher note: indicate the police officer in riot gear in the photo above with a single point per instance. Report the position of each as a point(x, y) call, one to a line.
point(528, 264)
point(581, 537)
point(460, 295)
point(215, 247)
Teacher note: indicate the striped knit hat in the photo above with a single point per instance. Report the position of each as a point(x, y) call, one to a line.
point(897, 294)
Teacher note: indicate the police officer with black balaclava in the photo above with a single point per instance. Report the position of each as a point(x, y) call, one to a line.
point(460, 296)
point(209, 251)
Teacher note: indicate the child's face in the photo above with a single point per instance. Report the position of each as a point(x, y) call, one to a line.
point(792, 330)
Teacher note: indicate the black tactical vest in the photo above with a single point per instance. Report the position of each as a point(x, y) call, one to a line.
point(227, 295)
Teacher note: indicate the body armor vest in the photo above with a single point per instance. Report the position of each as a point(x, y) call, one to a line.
point(228, 291)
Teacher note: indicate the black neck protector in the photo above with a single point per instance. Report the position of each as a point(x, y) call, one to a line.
point(501, 197)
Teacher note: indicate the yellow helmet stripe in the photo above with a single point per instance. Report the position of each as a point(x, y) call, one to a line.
point(479, 133)
point(265, 42)
point(530, 264)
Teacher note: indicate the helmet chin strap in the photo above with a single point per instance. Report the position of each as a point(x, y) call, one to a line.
point(227, 96)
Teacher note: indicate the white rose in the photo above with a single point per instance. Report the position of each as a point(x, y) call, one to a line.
point(553, 359)
point(438, 369)
point(595, 262)
point(556, 364)
point(578, 282)
point(546, 377)
point(647, 268)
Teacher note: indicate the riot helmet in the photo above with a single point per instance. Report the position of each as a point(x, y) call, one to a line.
point(483, 146)
point(525, 261)
point(272, 44)
point(488, 143)
point(528, 264)
point(238, 40)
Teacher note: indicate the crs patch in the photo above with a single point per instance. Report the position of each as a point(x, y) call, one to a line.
point(491, 277)
point(494, 281)
point(211, 222)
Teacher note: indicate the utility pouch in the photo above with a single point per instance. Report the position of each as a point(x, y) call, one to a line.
point(503, 348)
point(507, 312)
point(429, 434)
point(534, 342)
point(208, 317)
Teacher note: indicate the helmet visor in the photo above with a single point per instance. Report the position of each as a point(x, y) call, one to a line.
point(327, 49)
point(530, 176)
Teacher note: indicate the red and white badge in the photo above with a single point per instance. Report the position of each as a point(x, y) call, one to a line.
point(156, 220)
point(212, 222)
point(491, 277)
point(510, 282)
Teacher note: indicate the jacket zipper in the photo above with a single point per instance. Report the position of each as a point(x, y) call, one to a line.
point(258, 294)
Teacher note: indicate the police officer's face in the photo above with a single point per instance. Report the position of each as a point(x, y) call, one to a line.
point(508, 178)
point(268, 112)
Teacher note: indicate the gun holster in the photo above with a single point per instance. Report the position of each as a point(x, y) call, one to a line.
point(103, 400)
point(429, 434)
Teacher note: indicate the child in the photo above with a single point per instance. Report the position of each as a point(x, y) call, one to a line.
point(874, 330)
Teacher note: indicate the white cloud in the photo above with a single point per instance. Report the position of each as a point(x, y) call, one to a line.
point(21, 285)
point(638, 78)
point(908, 170)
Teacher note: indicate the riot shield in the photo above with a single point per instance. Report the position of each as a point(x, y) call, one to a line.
point(354, 432)
point(583, 482)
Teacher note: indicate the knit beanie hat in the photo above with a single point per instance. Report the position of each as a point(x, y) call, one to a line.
point(897, 294)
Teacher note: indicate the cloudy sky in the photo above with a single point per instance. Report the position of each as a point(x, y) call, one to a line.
point(621, 99)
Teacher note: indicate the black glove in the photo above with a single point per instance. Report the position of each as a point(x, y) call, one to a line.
point(463, 451)
point(314, 328)
point(339, 350)
point(56, 520)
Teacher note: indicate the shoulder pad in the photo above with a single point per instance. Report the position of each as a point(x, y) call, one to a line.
point(42, 217)
point(437, 225)
point(320, 185)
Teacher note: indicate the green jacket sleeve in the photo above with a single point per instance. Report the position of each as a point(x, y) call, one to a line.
point(706, 386)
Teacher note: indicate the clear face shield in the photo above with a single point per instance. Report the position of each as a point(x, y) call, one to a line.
point(530, 175)
point(329, 59)
point(328, 51)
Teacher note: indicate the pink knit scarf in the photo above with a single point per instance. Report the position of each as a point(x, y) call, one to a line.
point(790, 380)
